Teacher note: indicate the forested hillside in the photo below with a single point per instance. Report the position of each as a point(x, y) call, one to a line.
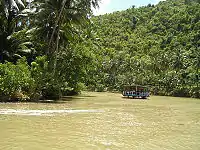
point(152, 45)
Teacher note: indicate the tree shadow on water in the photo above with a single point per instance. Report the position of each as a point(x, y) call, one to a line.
point(50, 100)
point(70, 98)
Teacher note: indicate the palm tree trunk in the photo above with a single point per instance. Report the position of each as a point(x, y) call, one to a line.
point(56, 53)
point(58, 19)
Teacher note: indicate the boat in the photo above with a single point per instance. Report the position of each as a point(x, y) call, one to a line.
point(136, 91)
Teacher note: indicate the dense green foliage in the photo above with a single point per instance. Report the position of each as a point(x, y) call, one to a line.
point(152, 45)
point(15, 80)
point(50, 48)
point(50, 34)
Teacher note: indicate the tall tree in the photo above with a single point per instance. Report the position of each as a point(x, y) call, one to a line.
point(9, 10)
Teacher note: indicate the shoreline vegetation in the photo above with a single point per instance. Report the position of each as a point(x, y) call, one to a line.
point(80, 95)
point(47, 51)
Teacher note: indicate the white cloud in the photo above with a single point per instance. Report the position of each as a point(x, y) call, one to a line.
point(102, 7)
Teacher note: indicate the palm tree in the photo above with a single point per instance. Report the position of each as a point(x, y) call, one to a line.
point(56, 14)
point(61, 19)
point(58, 22)
point(9, 10)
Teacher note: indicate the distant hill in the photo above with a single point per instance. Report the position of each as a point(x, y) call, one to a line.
point(152, 45)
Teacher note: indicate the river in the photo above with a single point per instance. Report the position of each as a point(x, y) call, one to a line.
point(102, 121)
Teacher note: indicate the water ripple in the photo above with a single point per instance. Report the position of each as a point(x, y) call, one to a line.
point(43, 112)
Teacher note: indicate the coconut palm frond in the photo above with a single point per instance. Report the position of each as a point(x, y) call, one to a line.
point(20, 3)
point(13, 5)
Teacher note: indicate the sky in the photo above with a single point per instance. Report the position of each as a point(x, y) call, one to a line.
point(109, 6)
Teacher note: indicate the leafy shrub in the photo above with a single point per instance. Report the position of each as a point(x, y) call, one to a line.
point(181, 92)
point(47, 84)
point(100, 87)
point(79, 87)
point(91, 87)
point(15, 80)
point(23, 82)
point(39, 72)
point(195, 92)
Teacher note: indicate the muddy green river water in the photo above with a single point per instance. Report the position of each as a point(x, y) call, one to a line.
point(102, 121)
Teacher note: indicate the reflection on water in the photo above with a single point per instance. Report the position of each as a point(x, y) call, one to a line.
point(101, 121)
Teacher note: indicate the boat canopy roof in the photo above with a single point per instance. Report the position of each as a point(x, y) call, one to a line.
point(135, 87)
